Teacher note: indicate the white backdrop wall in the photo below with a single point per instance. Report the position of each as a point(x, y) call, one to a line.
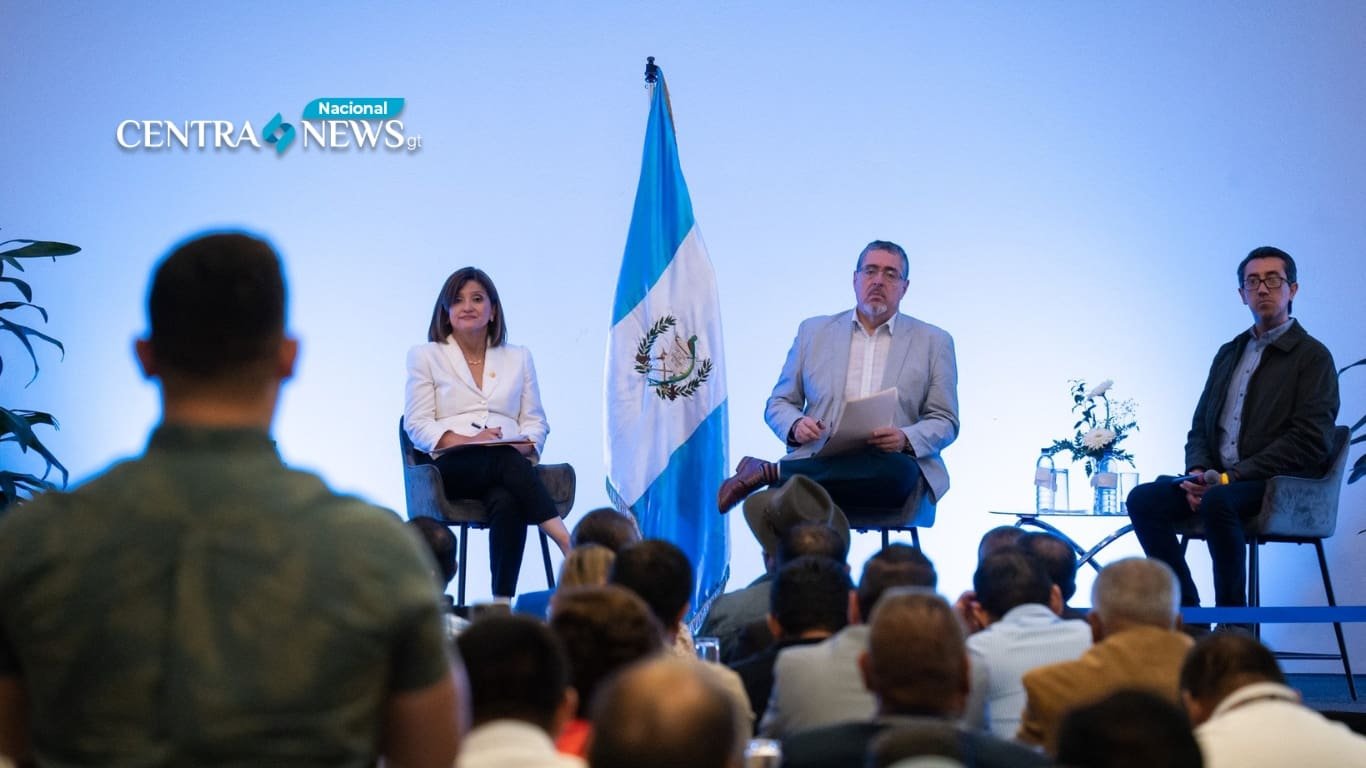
point(1075, 183)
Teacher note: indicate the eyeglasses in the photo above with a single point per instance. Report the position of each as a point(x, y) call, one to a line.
point(871, 271)
point(1252, 282)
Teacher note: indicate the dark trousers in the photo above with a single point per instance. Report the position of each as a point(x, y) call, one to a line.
point(869, 478)
point(1156, 507)
point(505, 482)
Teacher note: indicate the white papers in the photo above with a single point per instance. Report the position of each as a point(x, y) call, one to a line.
point(857, 422)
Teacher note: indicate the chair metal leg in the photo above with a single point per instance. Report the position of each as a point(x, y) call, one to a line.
point(886, 538)
point(1254, 581)
point(1337, 627)
point(461, 565)
point(545, 554)
point(915, 537)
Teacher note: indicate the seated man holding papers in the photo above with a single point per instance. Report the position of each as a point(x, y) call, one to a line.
point(867, 398)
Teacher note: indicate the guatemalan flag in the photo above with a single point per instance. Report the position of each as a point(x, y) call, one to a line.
point(666, 374)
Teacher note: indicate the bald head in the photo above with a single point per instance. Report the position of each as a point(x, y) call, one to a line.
point(664, 714)
point(1136, 591)
point(917, 660)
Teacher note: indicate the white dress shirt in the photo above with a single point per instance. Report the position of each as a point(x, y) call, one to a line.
point(1264, 724)
point(512, 744)
point(1028, 636)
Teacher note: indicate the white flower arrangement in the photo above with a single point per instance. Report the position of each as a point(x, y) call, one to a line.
point(1097, 438)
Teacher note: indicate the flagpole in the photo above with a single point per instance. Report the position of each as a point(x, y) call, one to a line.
point(651, 71)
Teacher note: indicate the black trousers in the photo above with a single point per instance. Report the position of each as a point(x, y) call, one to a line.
point(870, 478)
point(1155, 508)
point(509, 488)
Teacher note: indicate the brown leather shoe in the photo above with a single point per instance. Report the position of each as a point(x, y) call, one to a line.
point(750, 474)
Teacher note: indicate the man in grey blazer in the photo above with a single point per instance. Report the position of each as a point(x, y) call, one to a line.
point(854, 354)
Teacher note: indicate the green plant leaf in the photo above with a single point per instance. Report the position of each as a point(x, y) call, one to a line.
point(35, 249)
point(17, 304)
point(21, 285)
point(1358, 470)
point(17, 427)
point(1362, 361)
point(12, 483)
point(22, 332)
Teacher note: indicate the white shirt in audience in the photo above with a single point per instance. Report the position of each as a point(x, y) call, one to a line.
point(1264, 724)
point(512, 744)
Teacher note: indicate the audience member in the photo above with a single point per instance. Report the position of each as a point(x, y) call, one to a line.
point(916, 667)
point(587, 566)
point(441, 542)
point(1246, 716)
point(771, 514)
point(1128, 729)
point(1134, 624)
point(603, 526)
point(520, 695)
point(801, 540)
point(1060, 560)
point(997, 538)
point(819, 684)
point(665, 713)
point(602, 629)
point(203, 603)
point(660, 573)
point(809, 602)
point(1016, 602)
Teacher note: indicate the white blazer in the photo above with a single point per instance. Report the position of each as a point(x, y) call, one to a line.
point(441, 396)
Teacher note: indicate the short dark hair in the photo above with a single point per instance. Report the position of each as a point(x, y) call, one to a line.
point(603, 629)
point(897, 565)
point(806, 539)
point(517, 670)
point(1128, 729)
point(440, 327)
point(1269, 252)
point(439, 539)
point(1223, 662)
point(810, 593)
point(660, 573)
point(890, 247)
point(607, 527)
point(1058, 558)
point(1009, 578)
point(216, 309)
point(997, 538)
point(664, 714)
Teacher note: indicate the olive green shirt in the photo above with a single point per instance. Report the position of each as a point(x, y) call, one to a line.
point(204, 605)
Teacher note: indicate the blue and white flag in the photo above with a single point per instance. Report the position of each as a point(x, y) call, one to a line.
point(666, 374)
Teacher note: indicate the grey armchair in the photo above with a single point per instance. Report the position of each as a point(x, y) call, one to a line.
point(1295, 510)
point(426, 497)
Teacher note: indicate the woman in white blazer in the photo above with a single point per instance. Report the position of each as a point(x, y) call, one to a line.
point(468, 388)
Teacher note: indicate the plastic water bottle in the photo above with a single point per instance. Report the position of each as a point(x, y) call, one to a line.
point(1045, 483)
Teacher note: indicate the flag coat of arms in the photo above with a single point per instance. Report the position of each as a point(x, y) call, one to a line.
point(666, 375)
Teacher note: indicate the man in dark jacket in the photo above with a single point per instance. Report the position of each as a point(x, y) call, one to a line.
point(1268, 408)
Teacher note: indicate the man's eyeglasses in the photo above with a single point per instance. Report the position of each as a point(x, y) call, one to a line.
point(872, 271)
point(1252, 282)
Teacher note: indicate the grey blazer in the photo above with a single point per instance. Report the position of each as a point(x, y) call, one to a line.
point(921, 365)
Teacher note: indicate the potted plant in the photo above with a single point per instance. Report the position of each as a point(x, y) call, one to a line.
point(16, 425)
